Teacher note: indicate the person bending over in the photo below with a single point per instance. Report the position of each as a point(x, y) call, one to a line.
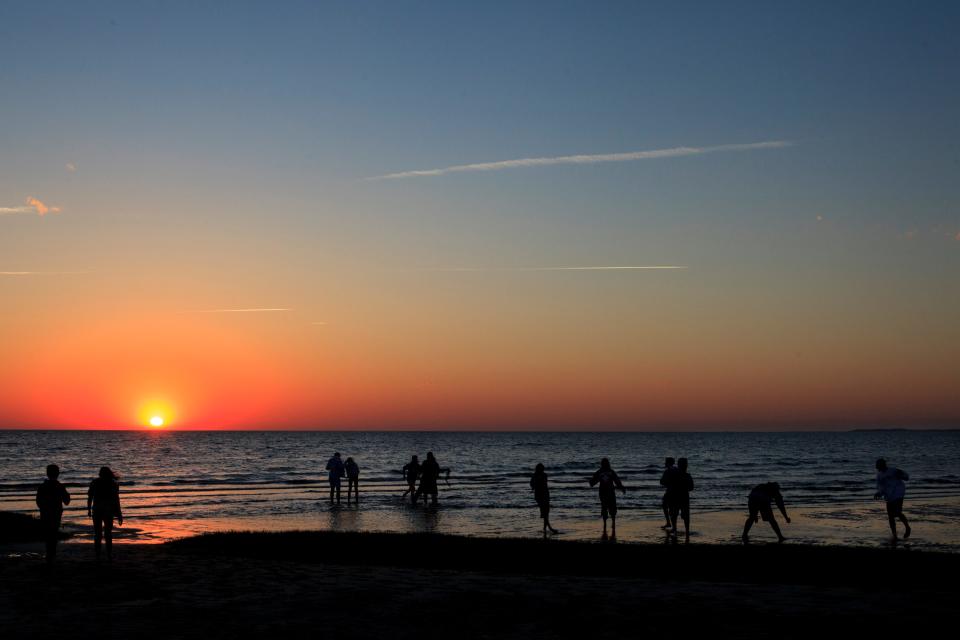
point(759, 506)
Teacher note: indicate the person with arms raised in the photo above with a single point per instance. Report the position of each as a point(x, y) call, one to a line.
point(609, 481)
point(890, 487)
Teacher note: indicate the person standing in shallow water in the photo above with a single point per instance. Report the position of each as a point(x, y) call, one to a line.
point(411, 471)
point(541, 493)
point(668, 469)
point(103, 505)
point(353, 480)
point(430, 472)
point(337, 471)
point(891, 488)
point(758, 504)
point(51, 497)
point(609, 481)
point(678, 497)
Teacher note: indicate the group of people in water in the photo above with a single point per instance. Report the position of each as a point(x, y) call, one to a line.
point(103, 497)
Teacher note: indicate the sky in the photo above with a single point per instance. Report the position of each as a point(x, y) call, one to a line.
point(412, 215)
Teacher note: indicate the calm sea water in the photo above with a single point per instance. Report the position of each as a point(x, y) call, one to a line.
point(195, 481)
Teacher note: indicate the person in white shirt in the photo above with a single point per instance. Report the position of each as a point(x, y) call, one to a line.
point(891, 488)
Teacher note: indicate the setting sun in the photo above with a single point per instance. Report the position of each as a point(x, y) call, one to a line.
point(156, 421)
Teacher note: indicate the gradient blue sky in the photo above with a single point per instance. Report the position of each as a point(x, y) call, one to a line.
point(219, 151)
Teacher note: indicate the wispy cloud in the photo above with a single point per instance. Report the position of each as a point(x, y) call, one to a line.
point(252, 310)
point(652, 154)
point(33, 205)
point(71, 167)
point(42, 273)
point(657, 267)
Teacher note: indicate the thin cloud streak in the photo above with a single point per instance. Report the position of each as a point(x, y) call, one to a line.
point(584, 159)
point(253, 310)
point(33, 205)
point(42, 273)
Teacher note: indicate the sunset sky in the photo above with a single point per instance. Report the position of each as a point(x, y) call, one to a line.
point(434, 215)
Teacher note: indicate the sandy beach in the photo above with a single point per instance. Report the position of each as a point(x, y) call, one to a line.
point(407, 586)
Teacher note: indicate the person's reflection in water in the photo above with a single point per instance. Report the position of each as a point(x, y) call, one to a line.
point(51, 497)
point(103, 505)
point(344, 519)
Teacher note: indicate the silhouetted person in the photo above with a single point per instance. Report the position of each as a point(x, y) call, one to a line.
point(609, 481)
point(337, 471)
point(411, 471)
point(51, 496)
point(103, 505)
point(678, 497)
point(541, 493)
point(891, 488)
point(353, 480)
point(430, 472)
point(668, 468)
point(759, 505)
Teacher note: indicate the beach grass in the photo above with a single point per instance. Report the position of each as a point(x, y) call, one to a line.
point(755, 563)
point(419, 586)
point(22, 527)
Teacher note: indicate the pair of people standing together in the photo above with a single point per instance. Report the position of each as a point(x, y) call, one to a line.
point(428, 473)
point(339, 469)
point(103, 506)
point(676, 500)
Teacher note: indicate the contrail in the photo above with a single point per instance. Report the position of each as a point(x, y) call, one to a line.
point(584, 159)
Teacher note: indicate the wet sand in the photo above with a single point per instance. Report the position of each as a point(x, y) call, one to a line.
point(936, 524)
point(425, 586)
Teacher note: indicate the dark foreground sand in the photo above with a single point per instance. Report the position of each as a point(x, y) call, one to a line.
point(424, 586)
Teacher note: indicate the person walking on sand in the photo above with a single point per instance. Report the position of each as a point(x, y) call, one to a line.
point(51, 497)
point(890, 487)
point(103, 505)
point(758, 504)
point(411, 471)
point(353, 480)
point(678, 497)
point(541, 493)
point(609, 481)
point(430, 472)
point(337, 471)
point(668, 469)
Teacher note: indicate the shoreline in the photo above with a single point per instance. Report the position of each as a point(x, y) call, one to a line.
point(853, 525)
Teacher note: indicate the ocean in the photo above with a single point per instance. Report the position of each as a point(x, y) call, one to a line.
point(181, 483)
